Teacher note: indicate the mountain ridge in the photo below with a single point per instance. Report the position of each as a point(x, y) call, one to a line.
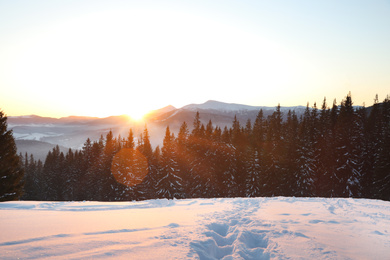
point(73, 131)
point(208, 105)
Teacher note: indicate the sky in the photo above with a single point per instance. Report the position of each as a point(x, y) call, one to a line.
point(102, 58)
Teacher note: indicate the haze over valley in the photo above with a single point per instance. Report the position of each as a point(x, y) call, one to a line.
point(37, 135)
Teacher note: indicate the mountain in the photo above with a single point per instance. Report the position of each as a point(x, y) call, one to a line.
point(222, 107)
point(220, 113)
point(219, 106)
point(38, 148)
point(73, 131)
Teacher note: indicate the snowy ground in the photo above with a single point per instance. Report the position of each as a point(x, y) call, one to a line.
point(256, 228)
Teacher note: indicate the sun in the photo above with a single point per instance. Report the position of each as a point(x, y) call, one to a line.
point(139, 111)
point(137, 115)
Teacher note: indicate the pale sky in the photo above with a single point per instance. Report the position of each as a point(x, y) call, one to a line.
point(102, 58)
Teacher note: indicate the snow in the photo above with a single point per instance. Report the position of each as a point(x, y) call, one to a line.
point(234, 228)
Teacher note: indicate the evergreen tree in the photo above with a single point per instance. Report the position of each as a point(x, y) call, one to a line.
point(145, 146)
point(130, 140)
point(324, 154)
point(305, 153)
point(11, 172)
point(53, 186)
point(236, 182)
point(253, 180)
point(103, 184)
point(381, 150)
point(273, 172)
point(196, 132)
point(291, 156)
point(331, 180)
point(348, 162)
point(147, 189)
point(170, 183)
point(183, 155)
point(31, 181)
point(71, 175)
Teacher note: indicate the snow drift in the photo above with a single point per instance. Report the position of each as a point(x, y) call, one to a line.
point(240, 228)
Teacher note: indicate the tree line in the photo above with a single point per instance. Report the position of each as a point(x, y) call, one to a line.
point(337, 151)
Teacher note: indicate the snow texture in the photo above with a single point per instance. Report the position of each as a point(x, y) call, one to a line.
point(239, 228)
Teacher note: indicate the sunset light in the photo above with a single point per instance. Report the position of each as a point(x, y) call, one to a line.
point(137, 115)
point(130, 58)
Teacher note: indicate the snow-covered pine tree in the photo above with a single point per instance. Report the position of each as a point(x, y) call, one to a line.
point(291, 156)
point(147, 188)
point(184, 157)
point(347, 149)
point(381, 163)
point(253, 179)
point(170, 183)
point(273, 173)
point(238, 169)
point(323, 153)
point(305, 152)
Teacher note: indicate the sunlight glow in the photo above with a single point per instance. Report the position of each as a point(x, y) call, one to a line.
point(129, 167)
point(139, 61)
point(137, 115)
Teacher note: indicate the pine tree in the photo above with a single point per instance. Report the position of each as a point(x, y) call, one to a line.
point(170, 183)
point(103, 184)
point(329, 160)
point(71, 174)
point(291, 156)
point(273, 173)
point(306, 152)
point(147, 189)
point(236, 181)
point(196, 132)
point(130, 140)
point(31, 181)
point(381, 159)
point(145, 146)
point(183, 156)
point(324, 153)
point(11, 172)
point(253, 180)
point(54, 179)
point(348, 162)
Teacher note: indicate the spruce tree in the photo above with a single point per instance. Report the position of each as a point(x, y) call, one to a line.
point(348, 152)
point(11, 172)
point(307, 139)
point(170, 183)
point(324, 152)
point(291, 156)
point(381, 161)
point(273, 173)
point(183, 155)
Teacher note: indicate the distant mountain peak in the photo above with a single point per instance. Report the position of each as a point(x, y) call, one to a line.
point(220, 106)
point(166, 109)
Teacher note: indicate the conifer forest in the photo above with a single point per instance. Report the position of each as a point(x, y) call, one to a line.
point(337, 151)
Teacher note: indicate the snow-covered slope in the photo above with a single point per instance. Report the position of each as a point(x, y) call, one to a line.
point(241, 228)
